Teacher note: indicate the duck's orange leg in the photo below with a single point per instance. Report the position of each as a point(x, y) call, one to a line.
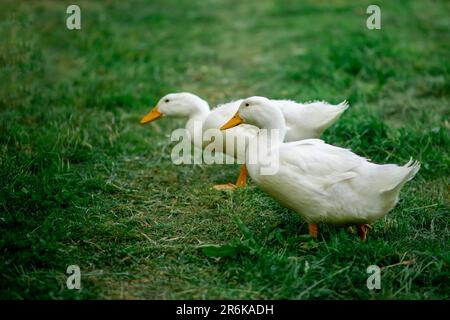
point(362, 231)
point(242, 179)
point(313, 230)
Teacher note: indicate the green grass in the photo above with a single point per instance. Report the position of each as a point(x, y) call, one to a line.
point(83, 183)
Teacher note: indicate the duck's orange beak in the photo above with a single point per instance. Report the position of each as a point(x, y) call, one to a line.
point(233, 122)
point(152, 115)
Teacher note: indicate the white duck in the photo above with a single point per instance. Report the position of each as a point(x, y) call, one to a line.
point(321, 182)
point(303, 120)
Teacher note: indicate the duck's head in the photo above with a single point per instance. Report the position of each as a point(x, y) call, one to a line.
point(257, 111)
point(180, 104)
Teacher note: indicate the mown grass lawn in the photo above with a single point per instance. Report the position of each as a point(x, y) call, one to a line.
point(83, 183)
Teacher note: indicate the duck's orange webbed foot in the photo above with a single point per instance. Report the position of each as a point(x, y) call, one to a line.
point(227, 186)
point(241, 181)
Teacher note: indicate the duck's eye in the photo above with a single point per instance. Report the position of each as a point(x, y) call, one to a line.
point(247, 104)
point(167, 100)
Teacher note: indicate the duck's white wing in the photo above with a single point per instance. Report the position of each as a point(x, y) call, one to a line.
point(319, 164)
point(323, 165)
point(308, 120)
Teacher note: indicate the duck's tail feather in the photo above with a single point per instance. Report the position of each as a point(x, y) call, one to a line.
point(410, 169)
point(414, 167)
point(343, 105)
point(333, 114)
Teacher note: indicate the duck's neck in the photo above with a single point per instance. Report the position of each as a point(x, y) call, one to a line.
point(263, 150)
point(270, 136)
point(274, 129)
point(197, 118)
